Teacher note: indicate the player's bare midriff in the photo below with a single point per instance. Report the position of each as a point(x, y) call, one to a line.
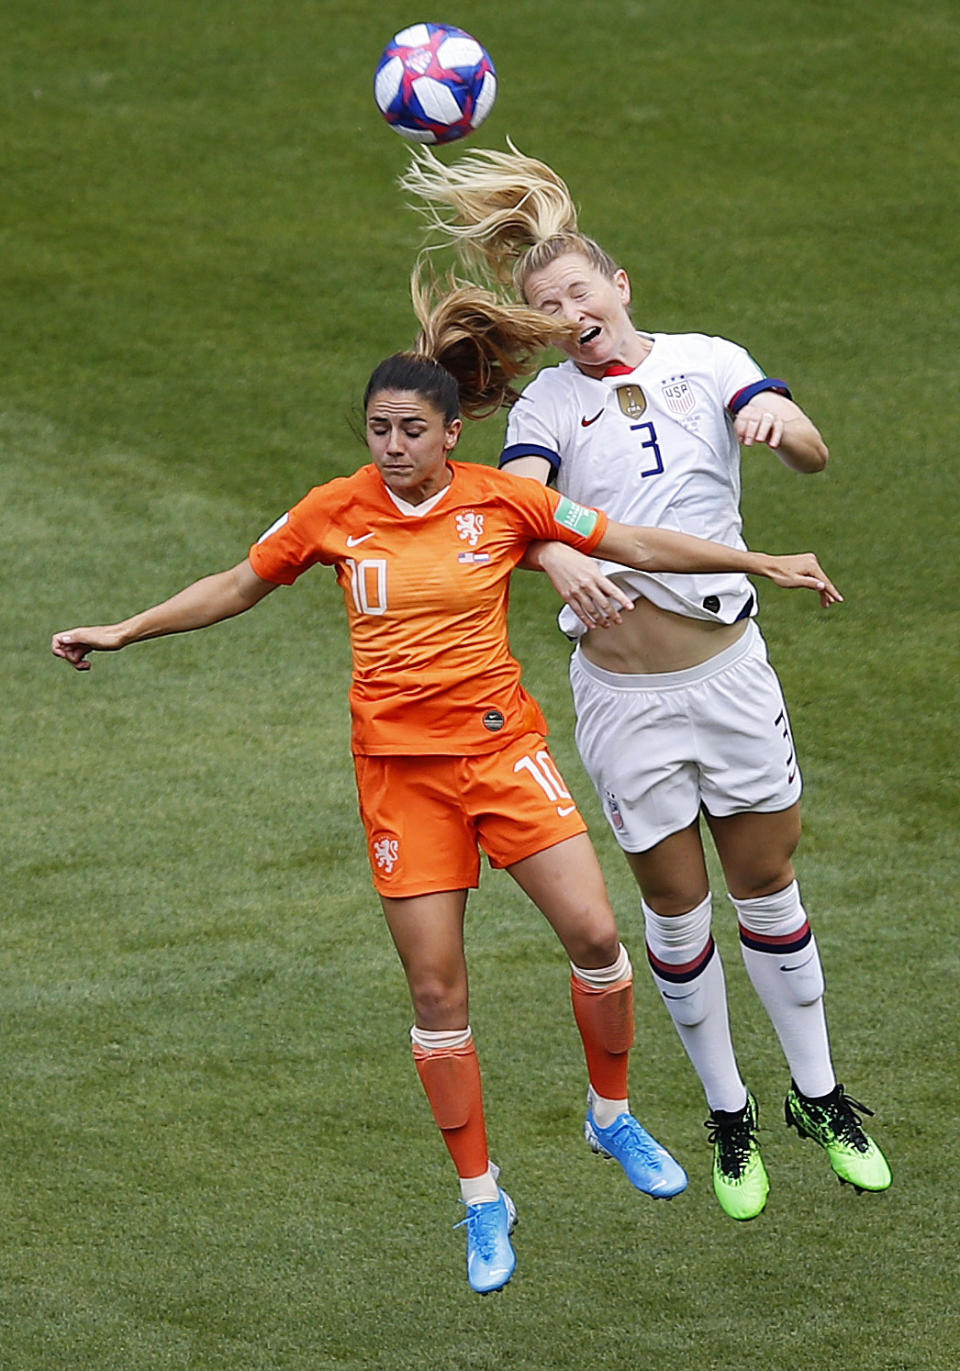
point(650, 639)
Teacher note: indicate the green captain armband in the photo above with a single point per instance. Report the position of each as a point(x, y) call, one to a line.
point(576, 517)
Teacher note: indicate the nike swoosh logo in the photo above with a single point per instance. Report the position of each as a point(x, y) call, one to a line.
point(585, 423)
point(353, 542)
point(801, 966)
point(564, 810)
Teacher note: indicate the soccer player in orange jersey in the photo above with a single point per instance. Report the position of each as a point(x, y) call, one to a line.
point(451, 752)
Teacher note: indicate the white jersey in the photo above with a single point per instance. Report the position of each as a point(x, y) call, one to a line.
point(654, 446)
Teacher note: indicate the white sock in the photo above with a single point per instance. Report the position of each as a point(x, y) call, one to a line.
point(688, 972)
point(783, 962)
point(599, 977)
point(440, 1040)
point(480, 1189)
point(605, 1111)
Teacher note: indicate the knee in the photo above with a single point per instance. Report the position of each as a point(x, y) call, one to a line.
point(438, 1004)
point(766, 874)
point(594, 946)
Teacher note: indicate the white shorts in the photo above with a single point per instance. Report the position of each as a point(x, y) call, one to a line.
point(657, 747)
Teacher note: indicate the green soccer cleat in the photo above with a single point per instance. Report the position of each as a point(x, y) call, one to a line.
point(740, 1180)
point(832, 1122)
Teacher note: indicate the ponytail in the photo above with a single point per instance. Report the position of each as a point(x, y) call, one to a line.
point(484, 342)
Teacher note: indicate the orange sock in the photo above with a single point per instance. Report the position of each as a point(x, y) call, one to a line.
point(451, 1078)
point(605, 1019)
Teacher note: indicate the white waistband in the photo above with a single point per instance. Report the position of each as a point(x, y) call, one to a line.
point(671, 680)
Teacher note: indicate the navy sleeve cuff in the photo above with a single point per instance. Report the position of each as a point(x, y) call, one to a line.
point(744, 396)
point(509, 454)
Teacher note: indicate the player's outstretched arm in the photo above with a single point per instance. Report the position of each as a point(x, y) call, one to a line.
point(206, 602)
point(659, 549)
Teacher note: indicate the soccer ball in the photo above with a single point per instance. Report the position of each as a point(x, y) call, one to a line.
point(434, 83)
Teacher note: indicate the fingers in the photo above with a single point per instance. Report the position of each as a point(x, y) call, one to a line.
point(829, 594)
point(803, 570)
point(66, 646)
point(595, 614)
point(758, 426)
point(599, 604)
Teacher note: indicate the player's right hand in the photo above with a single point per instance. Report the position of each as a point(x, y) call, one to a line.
point(75, 644)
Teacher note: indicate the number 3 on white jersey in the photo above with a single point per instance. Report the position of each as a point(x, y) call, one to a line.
point(548, 778)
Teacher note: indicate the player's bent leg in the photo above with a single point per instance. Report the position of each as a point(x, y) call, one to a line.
point(783, 962)
point(566, 884)
point(777, 944)
point(756, 849)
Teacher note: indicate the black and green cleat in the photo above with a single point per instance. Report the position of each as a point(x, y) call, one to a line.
point(832, 1122)
point(739, 1176)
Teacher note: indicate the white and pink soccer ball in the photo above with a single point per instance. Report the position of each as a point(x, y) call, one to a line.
point(434, 83)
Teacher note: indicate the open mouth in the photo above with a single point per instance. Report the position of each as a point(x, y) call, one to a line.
point(589, 336)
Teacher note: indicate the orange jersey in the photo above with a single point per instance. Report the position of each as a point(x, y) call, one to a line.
point(426, 589)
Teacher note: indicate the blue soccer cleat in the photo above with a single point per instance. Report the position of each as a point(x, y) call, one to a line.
point(491, 1259)
point(649, 1166)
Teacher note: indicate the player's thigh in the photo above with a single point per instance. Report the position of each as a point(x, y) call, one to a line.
point(673, 873)
point(427, 931)
point(420, 839)
point(566, 884)
point(756, 850)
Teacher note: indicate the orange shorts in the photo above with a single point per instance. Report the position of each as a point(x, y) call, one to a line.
point(426, 816)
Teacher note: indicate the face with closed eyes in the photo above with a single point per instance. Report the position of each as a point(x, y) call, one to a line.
point(410, 440)
point(573, 289)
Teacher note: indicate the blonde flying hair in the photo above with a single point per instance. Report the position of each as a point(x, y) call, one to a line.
point(504, 212)
point(506, 215)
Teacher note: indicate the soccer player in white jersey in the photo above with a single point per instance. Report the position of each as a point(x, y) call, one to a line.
point(681, 721)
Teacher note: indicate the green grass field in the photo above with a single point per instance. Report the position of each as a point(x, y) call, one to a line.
point(214, 1153)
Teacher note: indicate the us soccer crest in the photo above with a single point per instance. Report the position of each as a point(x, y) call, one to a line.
point(678, 395)
point(632, 401)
